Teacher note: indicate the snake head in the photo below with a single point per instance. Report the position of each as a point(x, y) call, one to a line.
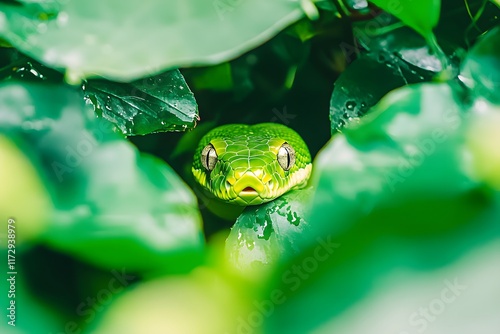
point(249, 165)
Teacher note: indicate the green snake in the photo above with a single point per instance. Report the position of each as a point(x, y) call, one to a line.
point(251, 164)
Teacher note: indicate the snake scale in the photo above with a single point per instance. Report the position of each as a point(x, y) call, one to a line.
point(251, 164)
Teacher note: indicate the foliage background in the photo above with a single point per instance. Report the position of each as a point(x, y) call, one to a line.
point(103, 103)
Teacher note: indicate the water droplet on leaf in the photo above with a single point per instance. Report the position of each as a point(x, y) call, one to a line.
point(350, 105)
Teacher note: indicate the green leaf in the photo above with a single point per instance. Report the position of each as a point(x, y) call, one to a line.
point(268, 234)
point(359, 88)
point(22, 187)
point(160, 103)
point(482, 138)
point(114, 207)
point(214, 299)
point(374, 274)
point(408, 145)
point(422, 15)
point(447, 294)
point(397, 44)
point(481, 68)
point(394, 197)
point(125, 41)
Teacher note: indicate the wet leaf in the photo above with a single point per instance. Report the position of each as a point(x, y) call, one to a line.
point(360, 87)
point(402, 45)
point(125, 41)
point(268, 234)
point(159, 103)
point(29, 70)
point(394, 59)
point(114, 207)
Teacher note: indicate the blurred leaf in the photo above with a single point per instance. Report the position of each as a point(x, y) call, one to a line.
point(124, 42)
point(269, 233)
point(395, 193)
point(463, 290)
point(408, 145)
point(22, 187)
point(46, 7)
point(375, 274)
point(303, 29)
point(159, 103)
point(421, 15)
point(481, 69)
point(483, 137)
point(309, 8)
point(115, 207)
point(217, 302)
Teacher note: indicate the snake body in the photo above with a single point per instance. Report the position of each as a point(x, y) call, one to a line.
point(251, 164)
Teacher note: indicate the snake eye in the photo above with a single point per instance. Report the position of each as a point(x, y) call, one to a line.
point(286, 156)
point(209, 157)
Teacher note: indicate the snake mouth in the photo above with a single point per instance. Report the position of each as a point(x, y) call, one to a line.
point(249, 196)
point(246, 188)
point(249, 190)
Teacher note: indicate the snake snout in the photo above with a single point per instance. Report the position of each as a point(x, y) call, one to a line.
point(248, 184)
